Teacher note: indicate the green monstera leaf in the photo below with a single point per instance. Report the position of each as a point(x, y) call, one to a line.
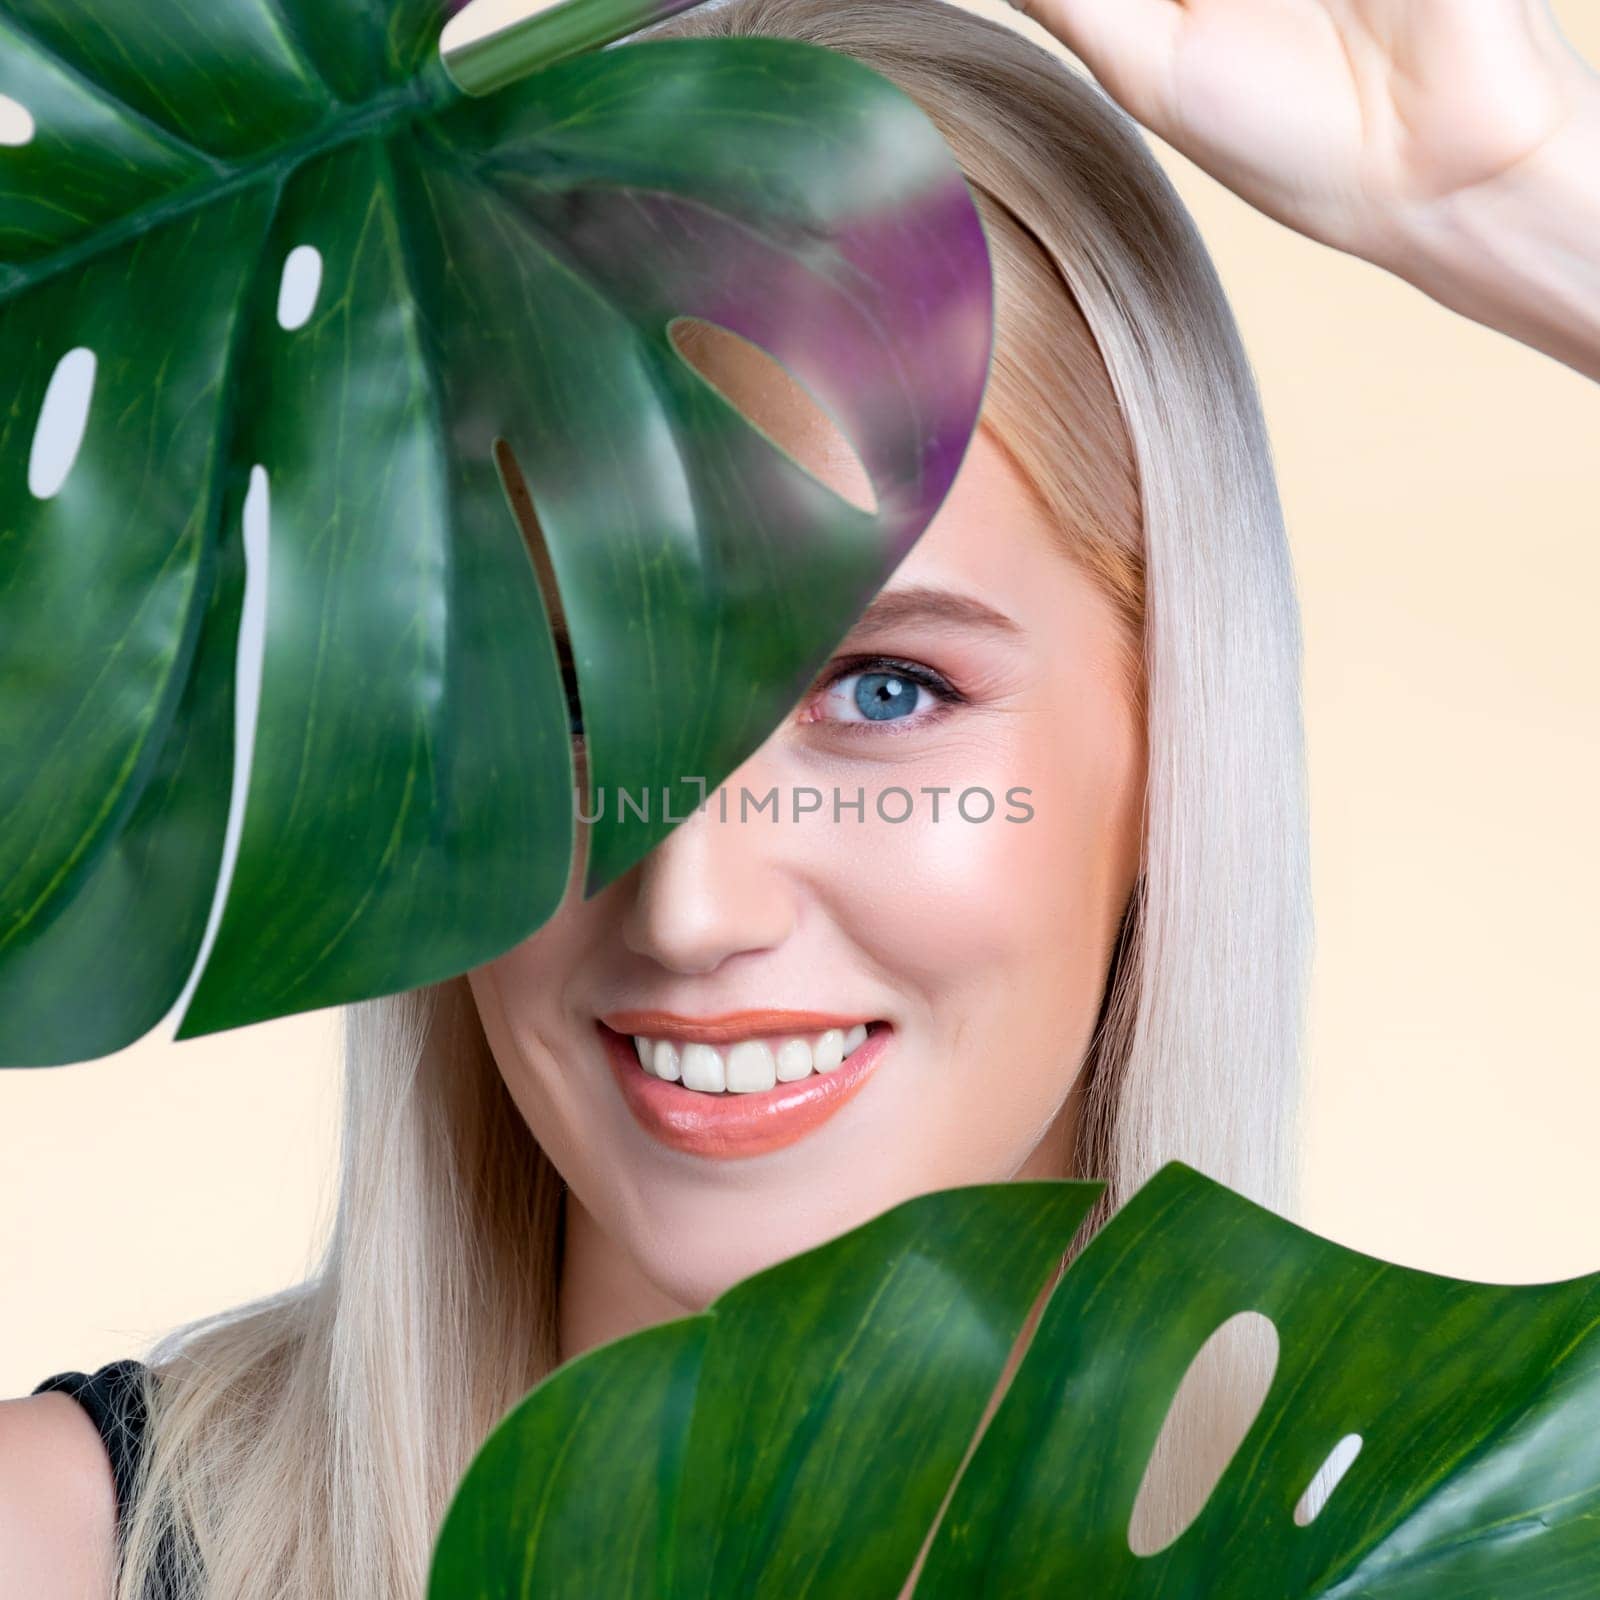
point(799, 1436)
point(739, 1452)
point(493, 285)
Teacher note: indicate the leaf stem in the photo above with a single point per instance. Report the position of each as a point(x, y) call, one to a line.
point(563, 29)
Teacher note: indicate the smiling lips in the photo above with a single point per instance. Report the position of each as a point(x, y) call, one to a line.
point(740, 1084)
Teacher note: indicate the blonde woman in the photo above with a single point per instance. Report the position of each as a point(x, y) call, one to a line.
point(1098, 630)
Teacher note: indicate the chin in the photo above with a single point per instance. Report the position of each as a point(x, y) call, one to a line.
point(697, 1252)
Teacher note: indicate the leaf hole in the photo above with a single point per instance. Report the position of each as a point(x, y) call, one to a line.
point(1326, 1479)
point(775, 403)
point(249, 660)
point(299, 286)
point(515, 485)
point(63, 419)
point(1216, 1402)
point(16, 121)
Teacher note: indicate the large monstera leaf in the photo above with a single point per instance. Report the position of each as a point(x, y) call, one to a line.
point(799, 1436)
point(504, 268)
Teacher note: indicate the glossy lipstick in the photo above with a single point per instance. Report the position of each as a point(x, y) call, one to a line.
point(728, 1126)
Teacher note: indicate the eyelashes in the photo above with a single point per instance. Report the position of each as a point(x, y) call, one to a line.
point(892, 669)
point(895, 672)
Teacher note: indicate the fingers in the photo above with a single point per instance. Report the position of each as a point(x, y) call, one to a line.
point(1129, 45)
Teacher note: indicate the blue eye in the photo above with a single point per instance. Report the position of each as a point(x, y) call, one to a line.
point(889, 691)
point(881, 697)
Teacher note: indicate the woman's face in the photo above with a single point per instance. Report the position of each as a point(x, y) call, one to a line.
point(982, 945)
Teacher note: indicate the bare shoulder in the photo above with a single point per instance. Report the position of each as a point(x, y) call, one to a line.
point(58, 1503)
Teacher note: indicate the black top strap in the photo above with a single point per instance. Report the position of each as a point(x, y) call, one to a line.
point(114, 1399)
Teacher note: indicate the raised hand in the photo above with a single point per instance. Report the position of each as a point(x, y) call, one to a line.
point(1334, 116)
point(1455, 142)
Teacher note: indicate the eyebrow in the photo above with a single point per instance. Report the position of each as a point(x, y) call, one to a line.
point(893, 608)
point(923, 602)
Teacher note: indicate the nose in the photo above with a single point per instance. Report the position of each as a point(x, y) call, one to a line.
point(712, 889)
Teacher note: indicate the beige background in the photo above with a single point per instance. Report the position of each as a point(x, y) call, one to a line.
point(1441, 485)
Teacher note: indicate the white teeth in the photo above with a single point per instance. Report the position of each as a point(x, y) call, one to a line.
point(794, 1060)
point(703, 1069)
point(750, 1065)
point(828, 1051)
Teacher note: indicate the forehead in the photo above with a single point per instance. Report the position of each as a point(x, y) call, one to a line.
point(992, 537)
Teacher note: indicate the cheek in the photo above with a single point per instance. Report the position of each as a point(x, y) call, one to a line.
point(998, 935)
point(519, 1037)
point(518, 996)
point(944, 901)
point(1015, 913)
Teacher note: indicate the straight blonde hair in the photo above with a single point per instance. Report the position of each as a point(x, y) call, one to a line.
point(305, 1447)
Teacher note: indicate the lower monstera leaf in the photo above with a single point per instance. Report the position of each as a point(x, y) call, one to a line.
point(798, 1437)
point(262, 262)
